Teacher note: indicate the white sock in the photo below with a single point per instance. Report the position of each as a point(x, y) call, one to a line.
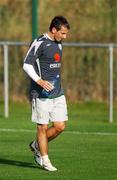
point(45, 158)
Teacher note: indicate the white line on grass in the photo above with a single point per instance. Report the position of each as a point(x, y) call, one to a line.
point(17, 130)
point(92, 133)
point(66, 132)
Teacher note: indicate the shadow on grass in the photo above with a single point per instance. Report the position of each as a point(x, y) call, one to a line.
point(19, 163)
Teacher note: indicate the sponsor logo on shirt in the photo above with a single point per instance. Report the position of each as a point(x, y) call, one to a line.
point(58, 65)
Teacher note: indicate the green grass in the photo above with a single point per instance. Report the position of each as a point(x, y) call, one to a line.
point(80, 153)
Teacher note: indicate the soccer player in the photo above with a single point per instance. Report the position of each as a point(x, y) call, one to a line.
point(43, 65)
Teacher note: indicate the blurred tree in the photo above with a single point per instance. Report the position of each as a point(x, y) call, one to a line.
point(91, 21)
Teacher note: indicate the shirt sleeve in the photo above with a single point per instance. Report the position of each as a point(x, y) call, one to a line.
point(31, 72)
point(30, 60)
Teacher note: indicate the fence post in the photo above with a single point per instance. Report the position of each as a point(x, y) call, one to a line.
point(111, 83)
point(6, 84)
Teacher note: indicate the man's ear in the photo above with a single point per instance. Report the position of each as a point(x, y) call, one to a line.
point(54, 30)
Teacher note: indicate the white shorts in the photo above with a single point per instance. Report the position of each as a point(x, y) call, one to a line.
point(45, 110)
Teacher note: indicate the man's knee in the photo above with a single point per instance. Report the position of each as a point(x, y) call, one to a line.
point(59, 127)
point(42, 128)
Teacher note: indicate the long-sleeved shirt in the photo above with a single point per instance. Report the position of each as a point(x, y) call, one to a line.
point(43, 61)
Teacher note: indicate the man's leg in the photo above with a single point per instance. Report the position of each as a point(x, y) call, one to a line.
point(42, 136)
point(55, 130)
point(45, 134)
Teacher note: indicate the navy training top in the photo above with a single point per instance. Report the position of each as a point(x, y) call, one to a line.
point(45, 56)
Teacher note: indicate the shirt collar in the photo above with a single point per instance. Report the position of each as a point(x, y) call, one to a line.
point(46, 35)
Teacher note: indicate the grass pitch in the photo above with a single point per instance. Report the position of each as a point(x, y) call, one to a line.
point(85, 151)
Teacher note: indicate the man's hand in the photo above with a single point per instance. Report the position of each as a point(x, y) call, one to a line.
point(45, 84)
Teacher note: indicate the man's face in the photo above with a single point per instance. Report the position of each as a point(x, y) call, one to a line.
point(60, 34)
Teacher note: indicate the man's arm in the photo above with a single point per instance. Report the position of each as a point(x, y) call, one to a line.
point(29, 69)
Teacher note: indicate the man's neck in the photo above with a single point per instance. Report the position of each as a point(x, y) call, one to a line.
point(50, 36)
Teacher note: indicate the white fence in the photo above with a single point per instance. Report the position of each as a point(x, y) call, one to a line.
point(110, 47)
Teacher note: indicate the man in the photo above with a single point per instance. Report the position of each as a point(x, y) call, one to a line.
point(43, 64)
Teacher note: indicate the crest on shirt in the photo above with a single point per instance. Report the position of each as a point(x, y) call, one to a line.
point(57, 57)
point(60, 46)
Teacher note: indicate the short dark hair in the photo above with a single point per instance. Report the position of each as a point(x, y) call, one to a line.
point(57, 22)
